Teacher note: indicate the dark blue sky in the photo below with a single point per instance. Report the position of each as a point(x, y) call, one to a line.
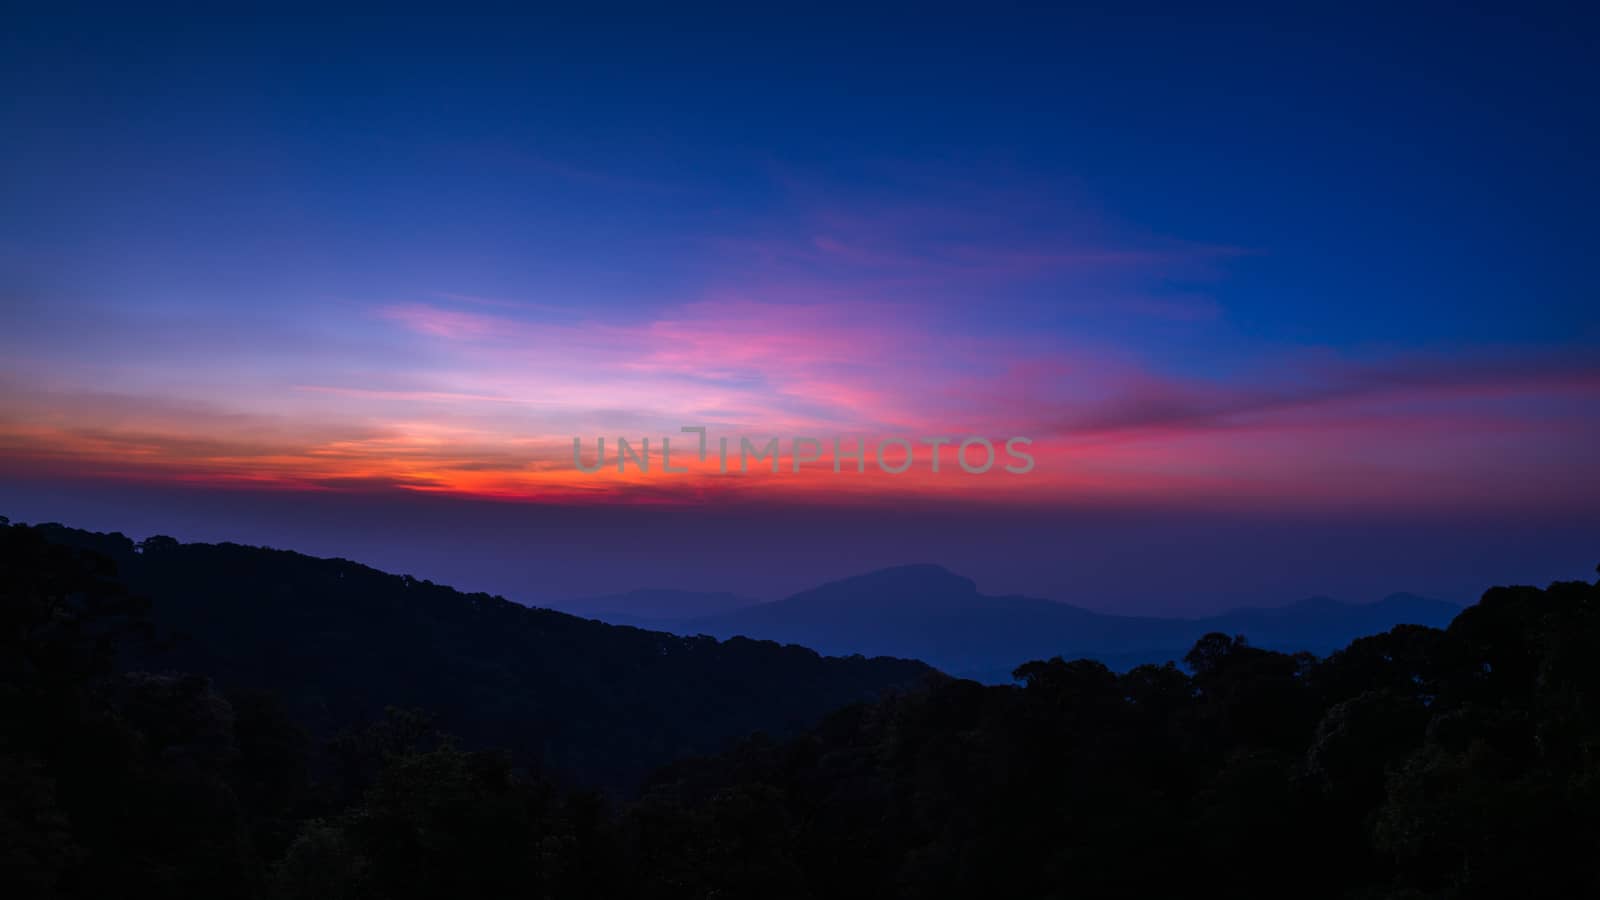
point(1402, 178)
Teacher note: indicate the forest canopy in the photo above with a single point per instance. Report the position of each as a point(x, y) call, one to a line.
point(1456, 762)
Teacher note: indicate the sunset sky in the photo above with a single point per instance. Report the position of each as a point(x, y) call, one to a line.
point(1276, 301)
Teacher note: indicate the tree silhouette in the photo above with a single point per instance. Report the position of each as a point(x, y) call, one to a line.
point(1418, 763)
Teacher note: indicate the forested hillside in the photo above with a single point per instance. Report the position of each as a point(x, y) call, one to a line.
point(1418, 763)
point(339, 642)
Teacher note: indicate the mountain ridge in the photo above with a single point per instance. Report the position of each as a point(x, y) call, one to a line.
point(926, 611)
point(340, 642)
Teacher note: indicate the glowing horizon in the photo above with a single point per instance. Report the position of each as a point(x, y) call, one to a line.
point(495, 412)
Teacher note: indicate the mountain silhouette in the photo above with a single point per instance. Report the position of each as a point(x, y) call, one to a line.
point(1416, 763)
point(929, 613)
point(340, 642)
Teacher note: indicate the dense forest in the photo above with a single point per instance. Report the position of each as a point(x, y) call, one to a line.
point(1420, 763)
point(339, 642)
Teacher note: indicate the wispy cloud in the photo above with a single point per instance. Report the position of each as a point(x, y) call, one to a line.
point(915, 314)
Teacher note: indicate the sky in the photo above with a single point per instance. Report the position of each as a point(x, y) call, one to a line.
point(1284, 304)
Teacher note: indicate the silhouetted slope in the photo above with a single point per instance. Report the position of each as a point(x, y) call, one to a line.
point(1417, 763)
point(927, 612)
point(340, 641)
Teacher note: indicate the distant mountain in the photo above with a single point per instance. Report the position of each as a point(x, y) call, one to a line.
point(929, 613)
point(339, 642)
point(649, 608)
